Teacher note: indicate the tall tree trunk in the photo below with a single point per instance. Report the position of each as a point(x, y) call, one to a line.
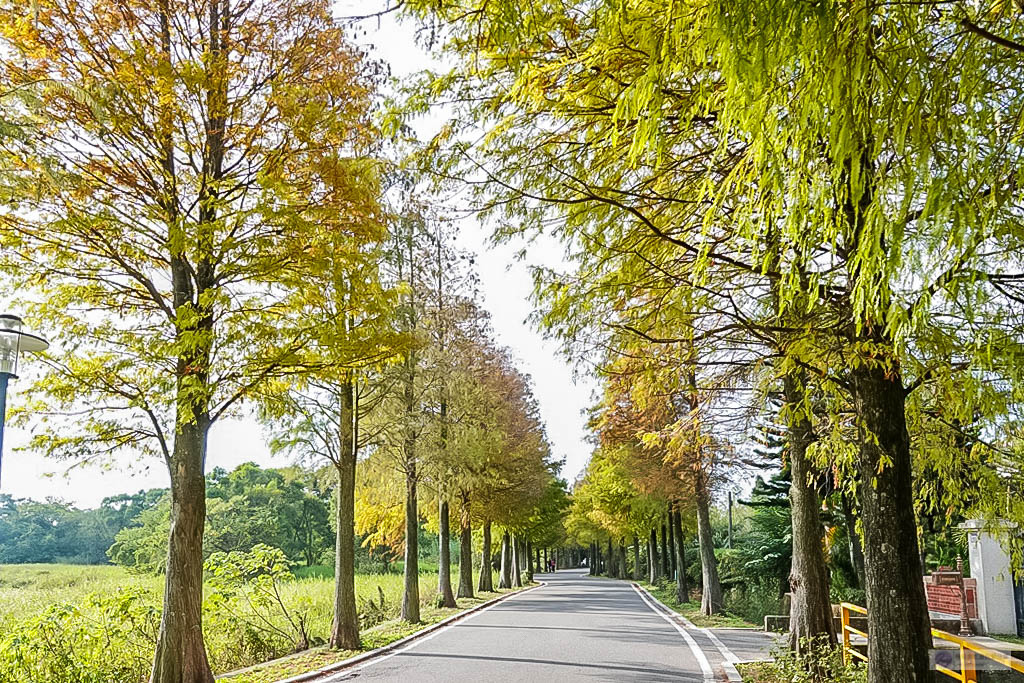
point(345, 626)
point(465, 549)
point(623, 573)
point(529, 562)
point(636, 557)
point(506, 562)
point(666, 552)
point(898, 624)
point(679, 550)
point(613, 565)
point(180, 654)
point(411, 594)
point(517, 560)
point(444, 570)
point(486, 584)
point(180, 651)
point(811, 610)
point(711, 590)
point(652, 557)
point(673, 563)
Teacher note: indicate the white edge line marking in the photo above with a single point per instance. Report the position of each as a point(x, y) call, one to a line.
point(342, 675)
point(698, 654)
point(731, 660)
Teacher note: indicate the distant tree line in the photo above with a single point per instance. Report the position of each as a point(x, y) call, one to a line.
point(286, 508)
point(55, 531)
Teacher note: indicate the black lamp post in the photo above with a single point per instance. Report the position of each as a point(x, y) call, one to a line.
point(13, 341)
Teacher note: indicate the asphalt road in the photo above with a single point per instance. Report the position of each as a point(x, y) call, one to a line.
point(575, 628)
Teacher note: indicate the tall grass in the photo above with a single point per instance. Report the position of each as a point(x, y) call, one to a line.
point(28, 591)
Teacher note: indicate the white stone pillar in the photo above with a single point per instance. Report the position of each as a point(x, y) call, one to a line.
point(990, 566)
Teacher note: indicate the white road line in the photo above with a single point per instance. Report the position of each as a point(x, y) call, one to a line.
point(731, 660)
point(705, 665)
point(341, 676)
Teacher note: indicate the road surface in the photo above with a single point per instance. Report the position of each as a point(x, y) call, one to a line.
point(575, 628)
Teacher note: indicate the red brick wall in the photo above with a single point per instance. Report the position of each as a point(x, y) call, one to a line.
point(946, 599)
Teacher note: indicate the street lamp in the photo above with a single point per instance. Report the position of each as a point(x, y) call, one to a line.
point(13, 340)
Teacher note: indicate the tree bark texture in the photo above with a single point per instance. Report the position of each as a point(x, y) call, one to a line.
point(711, 589)
point(666, 552)
point(180, 650)
point(636, 557)
point(345, 626)
point(811, 610)
point(411, 594)
point(517, 560)
point(506, 562)
point(679, 550)
point(486, 583)
point(465, 550)
point(444, 542)
point(898, 625)
point(673, 563)
point(652, 556)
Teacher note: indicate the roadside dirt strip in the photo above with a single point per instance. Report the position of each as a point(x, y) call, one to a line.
point(392, 648)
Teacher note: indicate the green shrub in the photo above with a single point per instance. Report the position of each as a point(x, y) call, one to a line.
point(65, 624)
point(108, 638)
point(841, 591)
point(753, 601)
point(816, 663)
point(246, 596)
point(372, 613)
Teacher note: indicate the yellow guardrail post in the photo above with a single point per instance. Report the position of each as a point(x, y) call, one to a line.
point(967, 665)
point(969, 651)
point(844, 616)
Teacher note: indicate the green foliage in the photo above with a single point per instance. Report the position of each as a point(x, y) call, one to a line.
point(765, 553)
point(91, 601)
point(107, 638)
point(665, 591)
point(143, 545)
point(754, 600)
point(58, 532)
point(284, 508)
point(373, 612)
point(816, 663)
point(246, 593)
point(245, 507)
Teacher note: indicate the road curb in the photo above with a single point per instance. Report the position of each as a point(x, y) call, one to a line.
point(401, 642)
point(729, 658)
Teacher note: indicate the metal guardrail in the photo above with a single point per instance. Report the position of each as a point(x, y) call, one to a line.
point(969, 651)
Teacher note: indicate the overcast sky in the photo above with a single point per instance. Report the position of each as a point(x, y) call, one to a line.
point(505, 290)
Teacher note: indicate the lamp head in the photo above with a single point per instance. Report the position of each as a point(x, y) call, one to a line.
point(13, 341)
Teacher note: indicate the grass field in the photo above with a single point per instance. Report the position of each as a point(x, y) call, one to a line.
point(30, 592)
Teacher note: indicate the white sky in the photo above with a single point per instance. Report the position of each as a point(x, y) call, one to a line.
point(505, 287)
